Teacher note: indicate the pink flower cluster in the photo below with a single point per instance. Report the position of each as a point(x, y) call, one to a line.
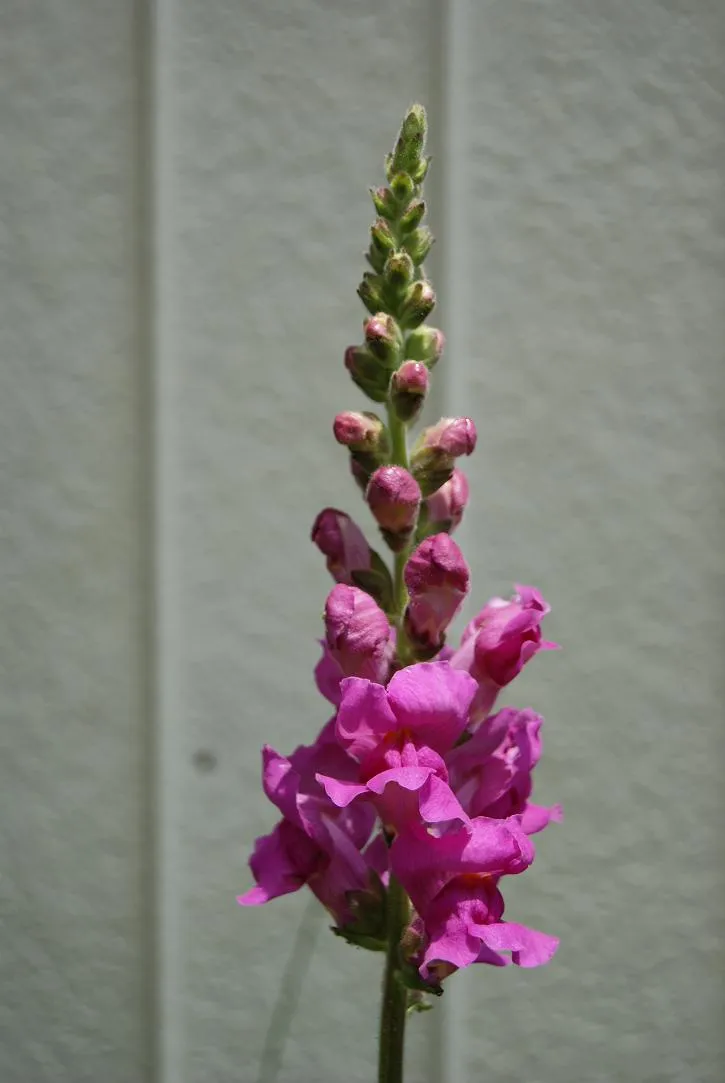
point(415, 776)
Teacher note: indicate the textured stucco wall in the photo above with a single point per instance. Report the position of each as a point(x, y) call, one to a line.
point(73, 730)
point(580, 183)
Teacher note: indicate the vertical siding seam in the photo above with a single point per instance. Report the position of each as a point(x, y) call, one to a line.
point(453, 1053)
point(166, 782)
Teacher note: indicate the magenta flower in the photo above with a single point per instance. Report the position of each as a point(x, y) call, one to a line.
point(498, 642)
point(452, 881)
point(399, 736)
point(437, 578)
point(342, 543)
point(491, 773)
point(315, 843)
point(452, 436)
point(358, 635)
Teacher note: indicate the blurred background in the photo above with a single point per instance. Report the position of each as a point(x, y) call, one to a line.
point(183, 210)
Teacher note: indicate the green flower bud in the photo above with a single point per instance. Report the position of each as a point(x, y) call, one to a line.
point(382, 236)
point(384, 202)
point(371, 377)
point(419, 302)
point(410, 144)
point(421, 172)
point(412, 216)
point(425, 344)
point(399, 270)
point(370, 292)
point(419, 244)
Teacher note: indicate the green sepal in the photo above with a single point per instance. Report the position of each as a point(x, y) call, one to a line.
point(359, 940)
point(371, 289)
point(409, 977)
point(376, 581)
point(384, 202)
point(431, 468)
point(417, 1002)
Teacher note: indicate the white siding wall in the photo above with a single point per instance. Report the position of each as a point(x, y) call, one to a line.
point(182, 211)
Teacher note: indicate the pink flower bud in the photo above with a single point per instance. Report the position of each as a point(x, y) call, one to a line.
point(446, 506)
point(342, 543)
point(393, 496)
point(453, 436)
point(360, 432)
point(383, 338)
point(358, 634)
point(437, 578)
point(436, 449)
point(408, 389)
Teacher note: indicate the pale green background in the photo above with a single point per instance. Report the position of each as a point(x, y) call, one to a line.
point(182, 212)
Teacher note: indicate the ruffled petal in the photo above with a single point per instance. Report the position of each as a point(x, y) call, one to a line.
point(431, 701)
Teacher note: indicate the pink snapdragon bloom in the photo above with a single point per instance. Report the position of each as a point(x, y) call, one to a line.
point(342, 543)
point(446, 506)
point(399, 736)
point(498, 642)
point(491, 773)
point(437, 578)
point(394, 496)
point(452, 881)
point(315, 842)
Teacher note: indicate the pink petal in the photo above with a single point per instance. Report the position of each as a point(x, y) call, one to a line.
point(536, 817)
point(328, 676)
point(364, 716)
point(281, 863)
point(431, 700)
point(340, 792)
point(528, 947)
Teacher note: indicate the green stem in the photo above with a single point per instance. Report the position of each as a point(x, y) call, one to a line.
point(399, 456)
point(395, 995)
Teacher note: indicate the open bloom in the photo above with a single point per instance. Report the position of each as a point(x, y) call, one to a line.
point(498, 642)
point(315, 842)
point(491, 774)
point(453, 881)
point(399, 736)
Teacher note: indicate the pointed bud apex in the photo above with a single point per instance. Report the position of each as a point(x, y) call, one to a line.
point(383, 339)
point(419, 244)
point(410, 144)
point(371, 377)
point(393, 496)
point(444, 509)
point(402, 187)
point(359, 432)
point(419, 302)
point(412, 216)
point(437, 448)
point(408, 389)
point(384, 202)
point(342, 543)
point(425, 344)
point(382, 236)
point(358, 634)
point(370, 291)
point(437, 578)
point(399, 269)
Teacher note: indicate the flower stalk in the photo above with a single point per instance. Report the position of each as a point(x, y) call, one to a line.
point(412, 805)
